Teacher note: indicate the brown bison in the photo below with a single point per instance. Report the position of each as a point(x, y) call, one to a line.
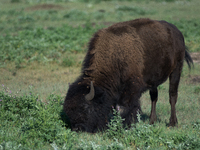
point(123, 61)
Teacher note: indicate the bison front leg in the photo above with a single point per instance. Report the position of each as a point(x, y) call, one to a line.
point(154, 97)
point(131, 109)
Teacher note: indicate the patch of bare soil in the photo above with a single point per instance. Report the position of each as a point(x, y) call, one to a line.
point(44, 7)
point(195, 79)
point(196, 57)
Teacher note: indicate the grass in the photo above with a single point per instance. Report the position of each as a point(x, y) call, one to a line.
point(42, 46)
point(29, 123)
point(45, 78)
point(46, 32)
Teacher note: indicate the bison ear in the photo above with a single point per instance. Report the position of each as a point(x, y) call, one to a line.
point(90, 95)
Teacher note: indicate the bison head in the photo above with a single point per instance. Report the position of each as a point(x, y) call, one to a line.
point(87, 107)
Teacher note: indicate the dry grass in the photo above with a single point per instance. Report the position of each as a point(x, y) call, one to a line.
point(45, 79)
point(53, 78)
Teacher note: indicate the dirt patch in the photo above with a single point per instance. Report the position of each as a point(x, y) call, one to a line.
point(196, 57)
point(195, 79)
point(44, 7)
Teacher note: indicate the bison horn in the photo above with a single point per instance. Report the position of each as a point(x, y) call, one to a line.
point(90, 95)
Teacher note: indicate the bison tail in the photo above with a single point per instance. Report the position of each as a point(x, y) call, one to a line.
point(188, 58)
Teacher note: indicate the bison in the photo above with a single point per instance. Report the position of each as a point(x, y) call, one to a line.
point(123, 61)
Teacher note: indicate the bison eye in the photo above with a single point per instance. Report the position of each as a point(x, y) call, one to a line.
point(79, 127)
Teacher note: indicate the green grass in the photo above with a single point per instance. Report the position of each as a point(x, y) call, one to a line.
point(28, 123)
point(51, 44)
point(46, 32)
point(42, 46)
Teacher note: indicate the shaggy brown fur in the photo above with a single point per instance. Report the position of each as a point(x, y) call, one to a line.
point(123, 61)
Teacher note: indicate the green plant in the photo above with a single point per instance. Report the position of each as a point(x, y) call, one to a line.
point(44, 45)
point(161, 87)
point(115, 126)
point(76, 15)
point(15, 1)
point(69, 61)
point(29, 118)
point(27, 122)
point(197, 90)
point(136, 10)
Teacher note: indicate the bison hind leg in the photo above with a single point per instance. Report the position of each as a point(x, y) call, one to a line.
point(174, 79)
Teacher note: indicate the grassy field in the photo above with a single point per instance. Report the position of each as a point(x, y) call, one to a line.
point(42, 45)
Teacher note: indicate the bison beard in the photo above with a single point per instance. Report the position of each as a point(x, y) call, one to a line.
point(122, 62)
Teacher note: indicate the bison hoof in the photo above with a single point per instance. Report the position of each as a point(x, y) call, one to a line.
point(173, 122)
point(153, 119)
point(152, 122)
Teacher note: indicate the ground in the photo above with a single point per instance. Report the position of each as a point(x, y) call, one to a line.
point(196, 57)
point(44, 7)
